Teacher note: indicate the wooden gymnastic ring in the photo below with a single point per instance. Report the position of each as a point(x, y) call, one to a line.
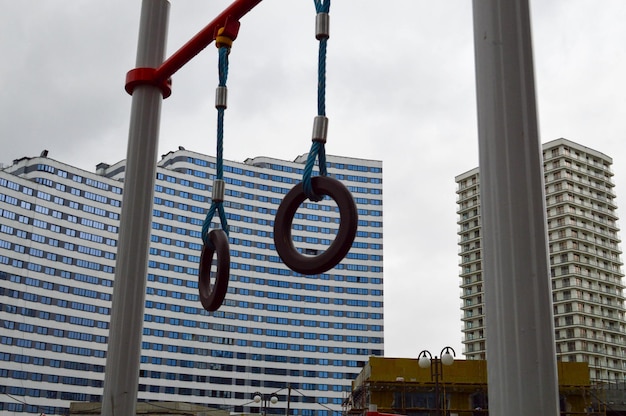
point(322, 185)
point(212, 295)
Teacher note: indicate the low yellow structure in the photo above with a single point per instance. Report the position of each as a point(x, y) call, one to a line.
point(400, 386)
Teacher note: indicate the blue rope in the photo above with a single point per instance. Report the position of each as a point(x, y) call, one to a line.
point(321, 78)
point(322, 6)
point(218, 206)
point(318, 151)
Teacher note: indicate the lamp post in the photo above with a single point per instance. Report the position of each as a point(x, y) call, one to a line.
point(265, 401)
point(426, 360)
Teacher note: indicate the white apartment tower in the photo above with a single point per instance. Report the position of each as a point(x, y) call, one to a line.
point(585, 265)
point(303, 338)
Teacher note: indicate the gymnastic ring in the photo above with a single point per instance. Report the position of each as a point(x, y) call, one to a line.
point(322, 185)
point(212, 295)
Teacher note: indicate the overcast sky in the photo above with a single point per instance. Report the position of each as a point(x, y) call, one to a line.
point(400, 89)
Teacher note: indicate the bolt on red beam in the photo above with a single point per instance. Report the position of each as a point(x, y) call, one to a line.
point(234, 12)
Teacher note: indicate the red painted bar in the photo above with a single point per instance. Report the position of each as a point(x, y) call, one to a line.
point(234, 12)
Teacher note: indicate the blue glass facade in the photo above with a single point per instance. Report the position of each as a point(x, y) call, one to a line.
point(276, 328)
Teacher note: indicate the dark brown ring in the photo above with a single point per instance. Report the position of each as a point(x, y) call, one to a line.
point(212, 295)
point(322, 185)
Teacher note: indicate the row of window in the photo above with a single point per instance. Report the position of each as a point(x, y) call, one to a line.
point(38, 268)
point(37, 360)
point(99, 369)
point(30, 328)
point(233, 253)
point(281, 333)
point(77, 178)
point(252, 185)
point(234, 266)
point(275, 166)
point(19, 407)
point(279, 283)
point(259, 318)
point(84, 321)
point(38, 238)
point(259, 232)
point(63, 188)
point(307, 286)
point(277, 295)
point(261, 221)
point(352, 290)
point(73, 204)
point(75, 320)
point(51, 378)
point(188, 323)
point(46, 300)
point(238, 194)
point(152, 375)
point(88, 352)
point(30, 281)
point(221, 355)
point(193, 297)
point(52, 226)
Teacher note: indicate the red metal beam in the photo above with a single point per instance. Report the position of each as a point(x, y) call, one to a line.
point(160, 76)
point(204, 38)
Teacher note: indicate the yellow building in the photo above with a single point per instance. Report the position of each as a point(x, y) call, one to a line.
point(401, 386)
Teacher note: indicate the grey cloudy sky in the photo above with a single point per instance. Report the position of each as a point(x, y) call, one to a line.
point(400, 89)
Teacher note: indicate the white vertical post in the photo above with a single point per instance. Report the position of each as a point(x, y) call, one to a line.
point(518, 301)
point(124, 347)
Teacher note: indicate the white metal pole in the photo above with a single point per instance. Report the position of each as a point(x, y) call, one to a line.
point(124, 347)
point(518, 302)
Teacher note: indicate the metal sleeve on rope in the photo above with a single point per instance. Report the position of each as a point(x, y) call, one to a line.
point(322, 26)
point(320, 129)
point(221, 97)
point(217, 194)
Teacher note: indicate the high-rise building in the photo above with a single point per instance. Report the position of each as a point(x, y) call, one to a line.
point(303, 337)
point(585, 265)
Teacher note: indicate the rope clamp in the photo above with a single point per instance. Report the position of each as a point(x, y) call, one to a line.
point(322, 26)
point(227, 34)
point(221, 97)
point(320, 129)
point(309, 265)
point(217, 194)
point(212, 295)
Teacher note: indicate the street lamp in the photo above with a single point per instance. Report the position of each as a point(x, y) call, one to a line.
point(426, 360)
point(266, 401)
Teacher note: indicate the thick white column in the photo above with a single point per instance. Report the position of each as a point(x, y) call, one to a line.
point(124, 348)
point(518, 302)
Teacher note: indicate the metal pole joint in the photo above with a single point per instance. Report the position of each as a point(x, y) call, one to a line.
point(224, 27)
point(147, 76)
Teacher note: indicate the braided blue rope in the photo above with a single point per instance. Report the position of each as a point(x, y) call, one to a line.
point(318, 151)
point(218, 206)
point(322, 6)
